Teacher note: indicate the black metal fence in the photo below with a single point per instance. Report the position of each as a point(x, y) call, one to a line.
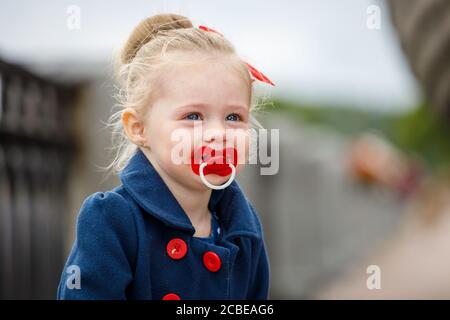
point(36, 147)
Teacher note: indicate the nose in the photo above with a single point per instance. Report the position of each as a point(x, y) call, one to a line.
point(214, 132)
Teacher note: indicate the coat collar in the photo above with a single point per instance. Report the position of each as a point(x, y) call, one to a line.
point(146, 187)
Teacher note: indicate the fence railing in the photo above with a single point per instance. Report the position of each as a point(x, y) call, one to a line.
point(36, 144)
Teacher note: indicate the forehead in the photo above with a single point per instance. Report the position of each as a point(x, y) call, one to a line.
point(207, 80)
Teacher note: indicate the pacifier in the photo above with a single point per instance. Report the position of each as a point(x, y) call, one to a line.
point(206, 160)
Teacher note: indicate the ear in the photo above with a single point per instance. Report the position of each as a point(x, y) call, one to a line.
point(133, 126)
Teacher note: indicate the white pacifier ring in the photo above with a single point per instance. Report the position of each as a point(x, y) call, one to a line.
point(212, 186)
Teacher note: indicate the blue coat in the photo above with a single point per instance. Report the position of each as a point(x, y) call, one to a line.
point(123, 236)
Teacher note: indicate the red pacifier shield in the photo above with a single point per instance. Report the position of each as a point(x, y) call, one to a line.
point(217, 160)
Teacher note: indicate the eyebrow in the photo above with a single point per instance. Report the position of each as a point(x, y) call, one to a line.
point(203, 105)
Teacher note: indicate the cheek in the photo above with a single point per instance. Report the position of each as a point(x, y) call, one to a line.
point(161, 141)
point(176, 146)
point(243, 152)
point(240, 141)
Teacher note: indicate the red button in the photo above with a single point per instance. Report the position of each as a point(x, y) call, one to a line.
point(212, 261)
point(171, 296)
point(176, 248)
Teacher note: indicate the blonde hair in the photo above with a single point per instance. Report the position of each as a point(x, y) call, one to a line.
point(139, 70)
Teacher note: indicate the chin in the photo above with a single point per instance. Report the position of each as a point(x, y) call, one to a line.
point(217, 179)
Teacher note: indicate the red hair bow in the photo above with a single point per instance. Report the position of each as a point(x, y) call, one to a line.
point(255, 72)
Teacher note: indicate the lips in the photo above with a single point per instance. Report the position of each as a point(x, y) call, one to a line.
point(217, 160)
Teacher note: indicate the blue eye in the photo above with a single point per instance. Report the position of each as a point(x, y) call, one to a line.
point(233, 117)
point(193, 116)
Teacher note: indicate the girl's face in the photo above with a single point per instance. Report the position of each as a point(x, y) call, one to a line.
point(201, 105)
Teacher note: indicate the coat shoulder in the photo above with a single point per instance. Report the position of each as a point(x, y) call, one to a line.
point(107, 209)
point(105, 249)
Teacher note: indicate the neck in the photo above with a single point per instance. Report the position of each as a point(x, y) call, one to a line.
point(193, 201)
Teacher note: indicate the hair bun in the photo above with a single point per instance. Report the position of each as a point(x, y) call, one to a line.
point(147, 29)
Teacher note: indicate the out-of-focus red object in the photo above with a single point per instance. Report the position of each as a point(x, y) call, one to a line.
point(374, 160)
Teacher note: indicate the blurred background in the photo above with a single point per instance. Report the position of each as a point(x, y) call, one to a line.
point(362, 102)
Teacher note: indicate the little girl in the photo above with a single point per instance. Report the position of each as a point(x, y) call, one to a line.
point(179, 226)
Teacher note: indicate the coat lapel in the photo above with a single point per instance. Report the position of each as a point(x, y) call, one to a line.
point(147, 188)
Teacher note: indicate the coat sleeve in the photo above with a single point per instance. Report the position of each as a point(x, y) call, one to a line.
point(100, 265)
point(260, 283)
point(259, 289)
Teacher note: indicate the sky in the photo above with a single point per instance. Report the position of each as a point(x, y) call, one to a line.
point(316, 51)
